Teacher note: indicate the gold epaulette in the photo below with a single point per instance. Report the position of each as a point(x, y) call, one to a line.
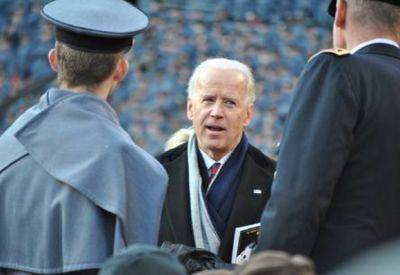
point(335, 51)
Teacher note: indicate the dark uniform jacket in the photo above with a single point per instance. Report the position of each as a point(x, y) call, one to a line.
point(74, 188)
point(256, 173)
point(337, 189)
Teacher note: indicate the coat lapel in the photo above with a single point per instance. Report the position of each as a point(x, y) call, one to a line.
point(247, 206)
point(177, 203)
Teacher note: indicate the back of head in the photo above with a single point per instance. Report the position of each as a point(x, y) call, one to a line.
point(276, 263)
point(379, 16)
point(91, 35)
point(382, 259)
point(143, 259)
point(81, 68)
point(215, 272)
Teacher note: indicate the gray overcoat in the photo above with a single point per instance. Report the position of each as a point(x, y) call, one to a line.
point(74, 188)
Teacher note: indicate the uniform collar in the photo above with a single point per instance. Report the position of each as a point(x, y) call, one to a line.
point(374, 41)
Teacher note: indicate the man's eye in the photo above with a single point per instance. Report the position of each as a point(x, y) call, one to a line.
point(207, 99)
point(230, 103)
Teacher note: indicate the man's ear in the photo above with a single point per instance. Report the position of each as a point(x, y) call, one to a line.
point(121, 70)
point(189, 109)
point(51, 56)
point(249, 115)
point(341, 12)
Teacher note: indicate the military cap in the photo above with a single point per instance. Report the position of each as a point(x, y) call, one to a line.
point(102, 26)
point(332, 5)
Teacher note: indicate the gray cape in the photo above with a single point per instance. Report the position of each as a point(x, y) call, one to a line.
point(74, 188)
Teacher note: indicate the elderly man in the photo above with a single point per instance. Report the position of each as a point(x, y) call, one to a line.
point(74, 188)
point(337, 189)
point(218, 181)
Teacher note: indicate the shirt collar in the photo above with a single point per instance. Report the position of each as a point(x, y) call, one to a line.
point(208, 161)
point(374, 41)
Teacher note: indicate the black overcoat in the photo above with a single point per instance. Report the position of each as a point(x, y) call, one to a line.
point(337, 189)
point(256, 173)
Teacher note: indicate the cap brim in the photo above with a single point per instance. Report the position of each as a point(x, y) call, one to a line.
point(94, 44)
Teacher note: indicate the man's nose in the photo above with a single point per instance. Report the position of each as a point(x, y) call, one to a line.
point(217, 110)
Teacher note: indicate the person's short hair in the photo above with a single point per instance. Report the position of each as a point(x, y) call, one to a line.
point(179, 137)
point(375, 14)
point(226, 64)
point(78, 68)
point(215, 272)
point(276, 263)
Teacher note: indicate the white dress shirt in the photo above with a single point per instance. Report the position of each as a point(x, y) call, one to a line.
point(208, 161)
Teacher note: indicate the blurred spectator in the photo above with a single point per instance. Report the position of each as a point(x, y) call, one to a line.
point(382, 260)
point(270, 263)
point(143, 259)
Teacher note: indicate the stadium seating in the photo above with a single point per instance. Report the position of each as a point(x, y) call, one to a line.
point(274, 37)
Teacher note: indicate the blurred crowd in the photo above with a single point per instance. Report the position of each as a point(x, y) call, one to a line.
point(274, 37)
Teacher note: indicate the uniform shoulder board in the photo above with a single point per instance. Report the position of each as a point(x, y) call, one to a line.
point(336, 52)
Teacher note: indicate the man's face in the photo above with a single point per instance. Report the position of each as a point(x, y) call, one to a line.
point(219, 110)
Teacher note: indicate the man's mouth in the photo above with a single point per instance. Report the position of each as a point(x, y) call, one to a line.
point(214, 128)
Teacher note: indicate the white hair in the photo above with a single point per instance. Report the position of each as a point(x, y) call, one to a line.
point(179, 137)
point(225, 64)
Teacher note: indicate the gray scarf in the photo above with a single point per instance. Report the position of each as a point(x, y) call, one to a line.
point(205, 235)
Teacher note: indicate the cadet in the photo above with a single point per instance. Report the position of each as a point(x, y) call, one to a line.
point(74, 188)
point(337, 189)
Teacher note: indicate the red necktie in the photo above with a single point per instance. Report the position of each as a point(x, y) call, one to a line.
point(213, 171)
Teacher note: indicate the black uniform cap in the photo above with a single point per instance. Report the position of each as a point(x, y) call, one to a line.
point(332, 5)
point(102, 26)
